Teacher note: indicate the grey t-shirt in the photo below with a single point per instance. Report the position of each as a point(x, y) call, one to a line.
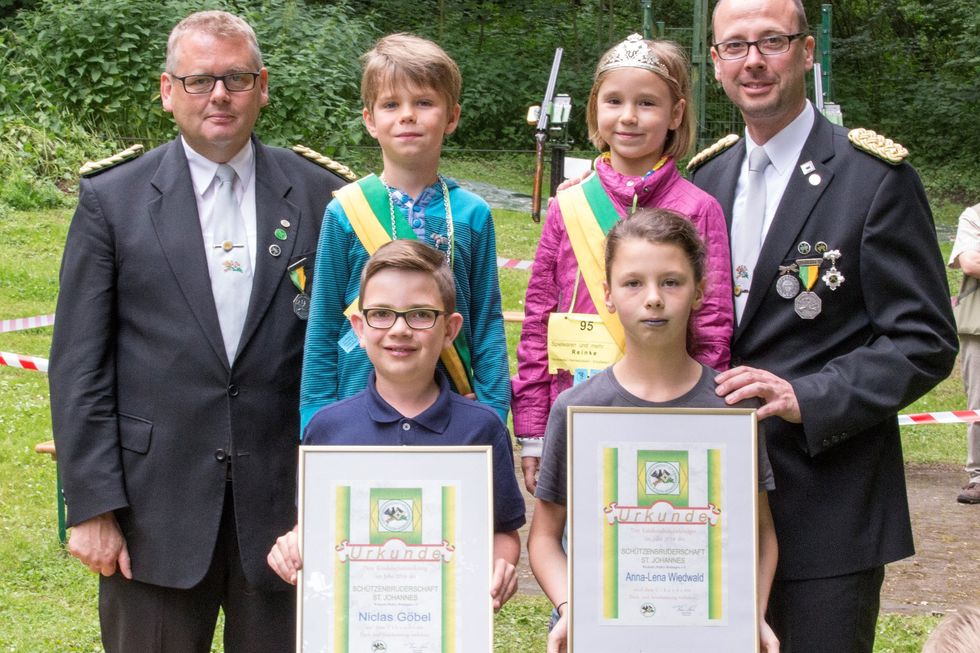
point(604, 390)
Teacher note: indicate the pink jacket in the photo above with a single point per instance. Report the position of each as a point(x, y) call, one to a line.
point(553, 279)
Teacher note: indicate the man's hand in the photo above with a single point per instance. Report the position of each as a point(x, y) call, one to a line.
point(284, 558)
point(503, 585)
point(777, 394)
point(530, 466)
point(99, 544)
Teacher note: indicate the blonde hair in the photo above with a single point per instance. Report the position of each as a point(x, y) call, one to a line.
point(680, 140)
point(406, 59)
point(957, 633)
point(219, 24)
point(412, 256)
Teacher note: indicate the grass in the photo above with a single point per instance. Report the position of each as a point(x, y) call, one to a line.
point(48, 601)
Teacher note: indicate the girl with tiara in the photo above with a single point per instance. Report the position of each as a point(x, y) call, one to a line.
point(639, 116)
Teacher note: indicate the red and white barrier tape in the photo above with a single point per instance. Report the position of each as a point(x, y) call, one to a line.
point(21, 323)
point(513, 263)
point(24, 362)
point(943, 417)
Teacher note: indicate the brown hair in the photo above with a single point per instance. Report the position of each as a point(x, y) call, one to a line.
point(219, 24)
point(399, 59)
point(658, 226)
point(957, 633)
point(680, 140)
point(412, 256)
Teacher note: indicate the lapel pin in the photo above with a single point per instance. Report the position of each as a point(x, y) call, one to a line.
point(814, 179)
point(803, 248)
point(275, 250)
point(280, 234)
point(807, 168)
point(285, 223)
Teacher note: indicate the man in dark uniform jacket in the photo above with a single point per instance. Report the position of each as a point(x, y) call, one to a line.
point(843, 320)
point(175, 421)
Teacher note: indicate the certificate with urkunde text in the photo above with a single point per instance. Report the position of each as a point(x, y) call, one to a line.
point(392, 561)
point(662, 528)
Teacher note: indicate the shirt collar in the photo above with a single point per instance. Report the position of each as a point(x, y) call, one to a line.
point(203, 169)
point(784, 148)
point(435, 418)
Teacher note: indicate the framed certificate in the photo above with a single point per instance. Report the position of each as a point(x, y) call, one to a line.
point(397, 547)
point(663, 541)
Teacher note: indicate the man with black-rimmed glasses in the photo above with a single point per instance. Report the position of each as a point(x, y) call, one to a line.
point(176, 359)
point(842, 319)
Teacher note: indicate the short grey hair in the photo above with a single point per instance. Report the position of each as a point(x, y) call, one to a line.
point(220, 24)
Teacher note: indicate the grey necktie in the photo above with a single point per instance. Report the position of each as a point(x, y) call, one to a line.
point(747, 231)
point(231, 267)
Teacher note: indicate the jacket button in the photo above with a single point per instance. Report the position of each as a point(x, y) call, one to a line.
point(233, 390)
point(220, 455)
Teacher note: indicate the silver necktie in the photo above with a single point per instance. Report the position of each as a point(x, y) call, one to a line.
point(747, 231)
point(231, 267)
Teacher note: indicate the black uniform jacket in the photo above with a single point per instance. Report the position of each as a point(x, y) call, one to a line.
point(882, 339)
point(145, 406)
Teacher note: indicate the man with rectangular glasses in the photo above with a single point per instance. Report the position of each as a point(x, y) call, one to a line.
point(842, 319)
point(176, 359)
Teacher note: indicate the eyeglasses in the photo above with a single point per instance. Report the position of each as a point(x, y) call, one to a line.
point(767, 46)
point(234, 82)
point(416, 318)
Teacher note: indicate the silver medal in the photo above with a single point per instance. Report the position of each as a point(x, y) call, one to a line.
point(787, 286)
point(301, 305)
point(807, 305)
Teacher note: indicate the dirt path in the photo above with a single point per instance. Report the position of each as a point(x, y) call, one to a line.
point(938, 578)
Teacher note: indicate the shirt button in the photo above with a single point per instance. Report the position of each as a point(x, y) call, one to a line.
point(406, 426)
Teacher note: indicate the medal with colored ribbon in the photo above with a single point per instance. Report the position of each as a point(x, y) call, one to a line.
point(301, 302)
point(807, 303)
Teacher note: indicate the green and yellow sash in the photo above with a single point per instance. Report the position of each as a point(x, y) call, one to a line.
point(366, 203)
point(589, 214)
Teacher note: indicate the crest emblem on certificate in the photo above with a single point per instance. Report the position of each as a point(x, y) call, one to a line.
point(662, 476)
point(396, 512)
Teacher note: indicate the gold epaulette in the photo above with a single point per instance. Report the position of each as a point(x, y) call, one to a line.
point(877, 145)
point(325, 162)
point(128, 154)
point(711, 152)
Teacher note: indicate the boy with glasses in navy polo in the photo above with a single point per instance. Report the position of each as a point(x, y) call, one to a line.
point(406, 317)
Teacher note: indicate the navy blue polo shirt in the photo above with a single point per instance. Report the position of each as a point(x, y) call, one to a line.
point(366, 419)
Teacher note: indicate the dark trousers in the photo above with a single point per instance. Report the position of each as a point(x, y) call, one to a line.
point(141, 618)
point(827, 615)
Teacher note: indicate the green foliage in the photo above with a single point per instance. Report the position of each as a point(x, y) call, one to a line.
point(37, 165)
point(100, 62)
point(911, 69)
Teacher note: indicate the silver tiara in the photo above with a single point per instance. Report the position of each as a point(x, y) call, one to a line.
point(633, 53)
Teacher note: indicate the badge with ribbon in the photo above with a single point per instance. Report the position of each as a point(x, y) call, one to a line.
point(808, 304)
point(301, 302)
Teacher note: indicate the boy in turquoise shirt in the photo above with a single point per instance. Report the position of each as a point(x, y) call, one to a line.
point(410, 89)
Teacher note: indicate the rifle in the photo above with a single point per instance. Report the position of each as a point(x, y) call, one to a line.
point(541, 136)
